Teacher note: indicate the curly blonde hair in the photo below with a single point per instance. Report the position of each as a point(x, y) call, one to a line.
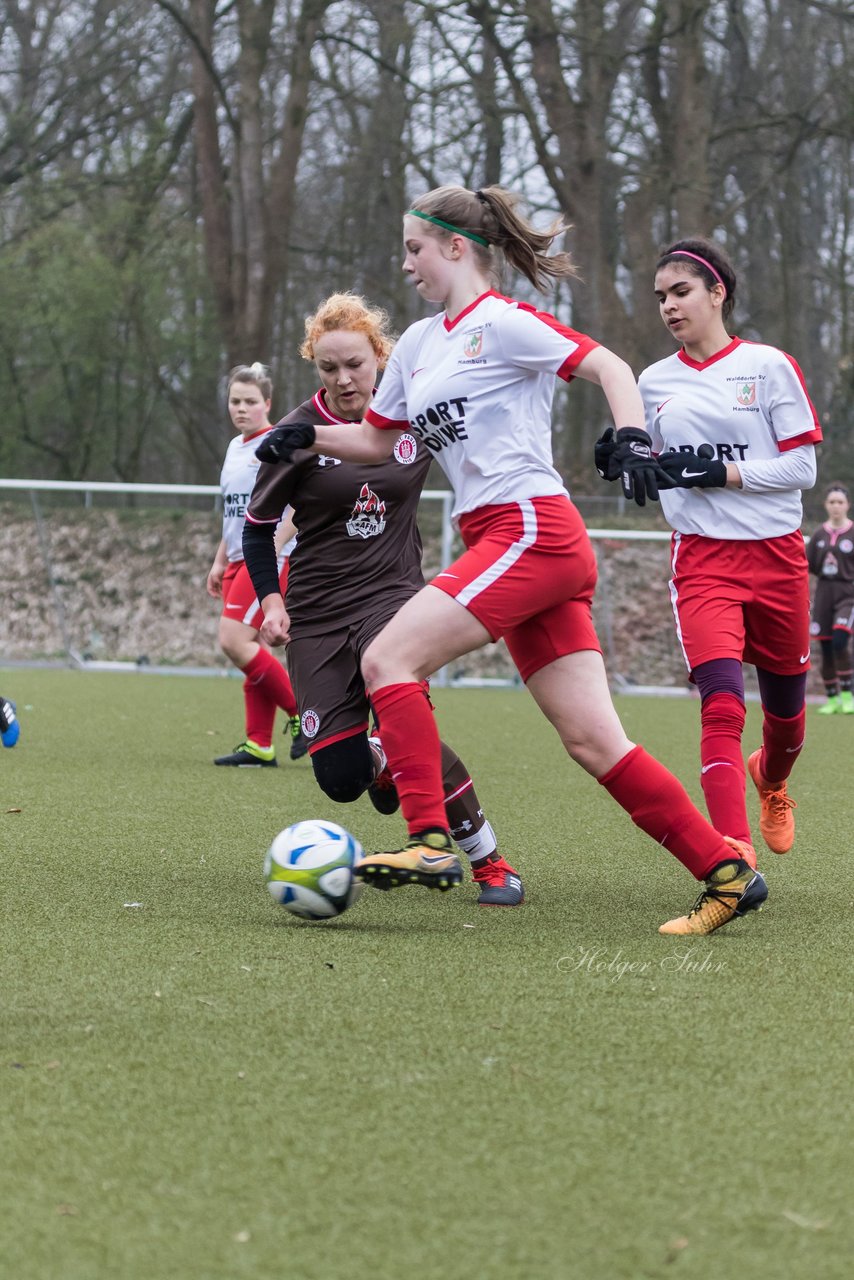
point(350, 312)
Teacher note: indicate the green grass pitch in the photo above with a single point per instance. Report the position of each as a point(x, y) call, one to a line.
point(197, 1086)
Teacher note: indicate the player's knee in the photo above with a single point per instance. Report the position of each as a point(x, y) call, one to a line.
point(372, 666)
point(226, 641)
point(344, 770)
point(237, 641)
point(841, 639)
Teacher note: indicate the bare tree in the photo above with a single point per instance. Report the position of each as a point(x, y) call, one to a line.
point(248, 137)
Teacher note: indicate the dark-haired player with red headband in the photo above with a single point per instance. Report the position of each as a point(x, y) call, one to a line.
point(735, 432)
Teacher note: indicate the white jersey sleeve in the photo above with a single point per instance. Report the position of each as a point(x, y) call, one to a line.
point(535, 340)
point(389, 409)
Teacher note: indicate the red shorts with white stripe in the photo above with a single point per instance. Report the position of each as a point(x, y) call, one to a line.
point(528, 575)
point(239, 600)
point(743, 600)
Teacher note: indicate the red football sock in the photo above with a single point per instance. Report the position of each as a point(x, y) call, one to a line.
point(411, 743)
point(782, 741)
point(659, 804)
point(723, 774)
point(266, 687)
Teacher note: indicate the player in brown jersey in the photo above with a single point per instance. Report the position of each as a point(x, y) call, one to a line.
point(356, 561)
point(830, 556)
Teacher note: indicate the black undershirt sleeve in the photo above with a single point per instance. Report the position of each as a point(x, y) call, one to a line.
point(259, 554)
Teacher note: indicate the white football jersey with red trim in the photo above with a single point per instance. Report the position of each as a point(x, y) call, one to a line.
point(478, 392)
point(746, 403)
point(237, 480)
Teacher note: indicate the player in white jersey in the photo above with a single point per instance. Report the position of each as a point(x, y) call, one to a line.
point(736, 431)
point(266, 685)
point(474, 384)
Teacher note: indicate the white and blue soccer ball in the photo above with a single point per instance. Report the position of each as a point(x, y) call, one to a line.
point(310, 869)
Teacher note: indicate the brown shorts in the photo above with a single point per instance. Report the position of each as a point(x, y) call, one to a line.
point(325, 670)
point(832, 608)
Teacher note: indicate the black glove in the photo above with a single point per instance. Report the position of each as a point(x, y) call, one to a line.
point(603, 455)
point(280, 444)
point(690, 471)
point(633, 462)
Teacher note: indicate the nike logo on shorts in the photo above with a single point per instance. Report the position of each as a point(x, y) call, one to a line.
point(805, 658)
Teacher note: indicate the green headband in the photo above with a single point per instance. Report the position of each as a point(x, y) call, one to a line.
point(449, 226)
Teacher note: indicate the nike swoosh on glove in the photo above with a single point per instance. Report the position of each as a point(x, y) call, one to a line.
point(690, 471)
point(280, 444)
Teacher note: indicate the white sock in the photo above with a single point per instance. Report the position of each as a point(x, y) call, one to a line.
point(477, 846)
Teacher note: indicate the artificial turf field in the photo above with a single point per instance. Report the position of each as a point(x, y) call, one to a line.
point(196, 1085)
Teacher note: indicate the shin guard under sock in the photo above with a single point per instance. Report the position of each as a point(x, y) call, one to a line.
point(658, 803)
point(411, 744)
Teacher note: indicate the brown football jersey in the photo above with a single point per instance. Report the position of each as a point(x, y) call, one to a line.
point(357, 531)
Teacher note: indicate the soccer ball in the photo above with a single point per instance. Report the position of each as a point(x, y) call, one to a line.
point(309, 869)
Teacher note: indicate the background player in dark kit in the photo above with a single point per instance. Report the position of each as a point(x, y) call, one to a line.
point(357, 559)
point(830, 556)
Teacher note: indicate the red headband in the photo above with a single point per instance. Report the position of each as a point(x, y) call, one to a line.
point(686, 253)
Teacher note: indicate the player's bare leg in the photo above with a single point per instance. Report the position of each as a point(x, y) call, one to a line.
point(266, 688)
point(573, 692)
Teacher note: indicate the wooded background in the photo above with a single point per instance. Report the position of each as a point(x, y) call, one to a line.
point(182, 181)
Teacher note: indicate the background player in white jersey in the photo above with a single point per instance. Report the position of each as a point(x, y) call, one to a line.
point(830, 556)
point(266, 685)
point(475, 383)
point(357, 561)
point(735, 431)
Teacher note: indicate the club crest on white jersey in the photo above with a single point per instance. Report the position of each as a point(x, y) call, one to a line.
point(473, 344)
